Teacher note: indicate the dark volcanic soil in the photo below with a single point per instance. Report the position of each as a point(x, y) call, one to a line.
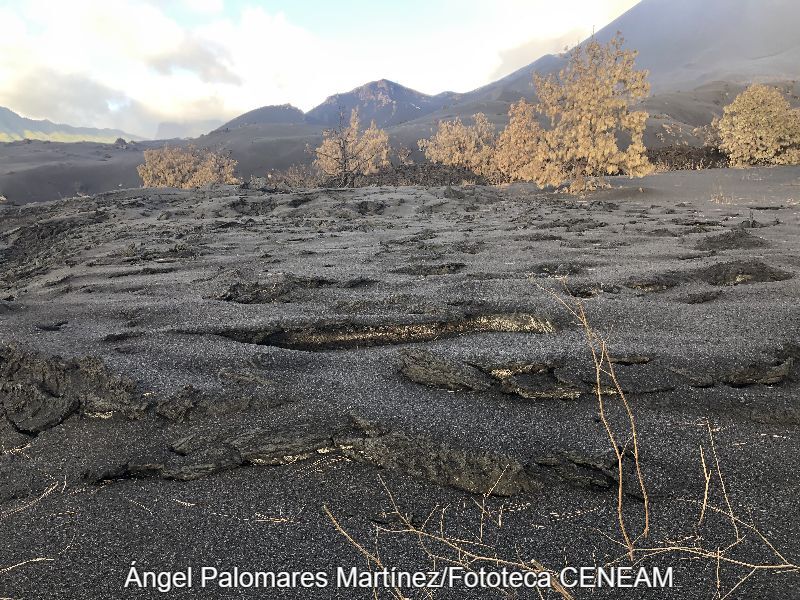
point(188, 378)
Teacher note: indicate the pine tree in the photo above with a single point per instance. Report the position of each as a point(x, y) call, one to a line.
point(517, 154)
point(468, 146)
point(589, 109)
point(760, 128)
point(186, 168)
point(345, 152)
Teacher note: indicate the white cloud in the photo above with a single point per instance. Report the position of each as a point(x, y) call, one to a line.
point(204, 6)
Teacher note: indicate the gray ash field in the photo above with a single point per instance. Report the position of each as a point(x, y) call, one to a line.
point(190, 378)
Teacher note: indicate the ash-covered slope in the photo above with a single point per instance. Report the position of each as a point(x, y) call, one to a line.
point(193, 378)
point(685, 44)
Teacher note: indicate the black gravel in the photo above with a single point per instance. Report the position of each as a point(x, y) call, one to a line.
point(233, 361)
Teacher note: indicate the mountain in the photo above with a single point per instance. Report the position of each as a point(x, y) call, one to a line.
point(285, 113)
point(15, 127)
point(386, 102)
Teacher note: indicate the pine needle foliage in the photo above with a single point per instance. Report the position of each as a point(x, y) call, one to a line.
point(760, 128)
point(347, 152)
point(186, 168)
point(588, 106)
point(518, 154)
point(471, 147)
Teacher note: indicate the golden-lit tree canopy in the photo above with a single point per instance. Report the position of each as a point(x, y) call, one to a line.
point(518, 154)
point(589, 109)
point(469, 146)
point(760, 128)
point(186, 168)
point(346, 152)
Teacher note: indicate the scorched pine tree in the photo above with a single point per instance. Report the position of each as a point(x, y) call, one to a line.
point(468, 146)
point(186, 168)
point(589, 109)
point(760, 128)
point(346, 152)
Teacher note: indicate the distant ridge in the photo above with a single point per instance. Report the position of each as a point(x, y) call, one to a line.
point(15, 127)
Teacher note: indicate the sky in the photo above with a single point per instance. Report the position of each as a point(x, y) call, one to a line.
point(130, 64)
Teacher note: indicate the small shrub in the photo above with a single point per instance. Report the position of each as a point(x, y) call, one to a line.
point(186, 168)
point(403, 155)
point(760, 128)
point(686, 158)
point(296, 176)
point(424, 174)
